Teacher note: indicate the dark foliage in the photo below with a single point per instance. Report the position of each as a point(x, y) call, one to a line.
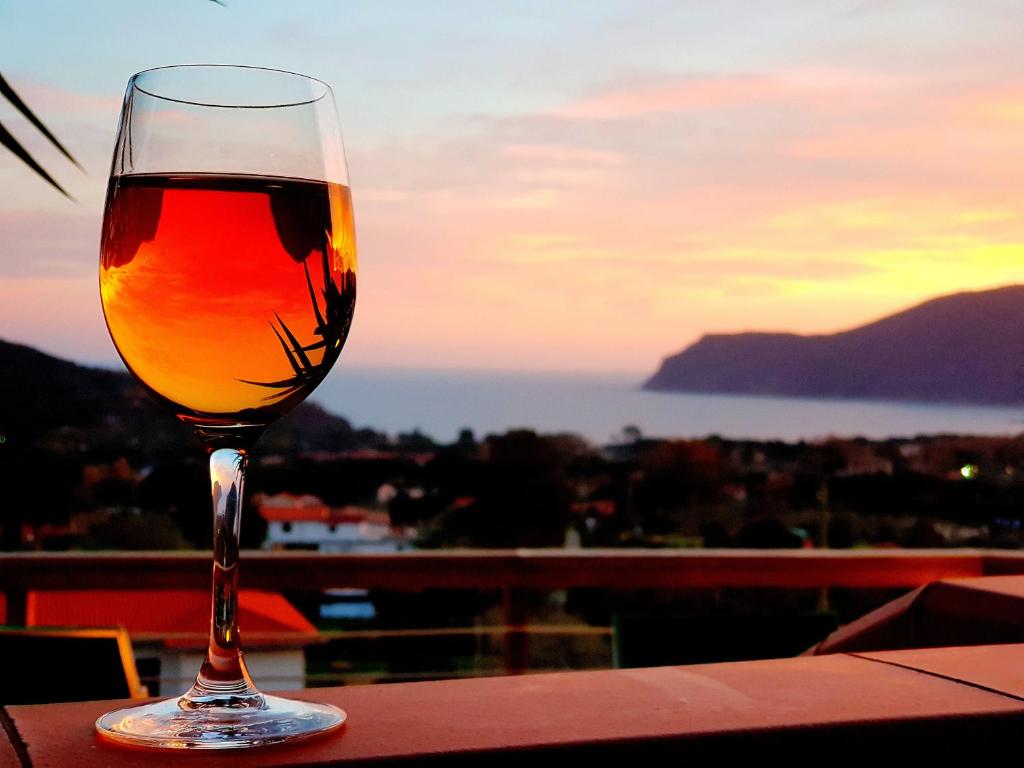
point(59, 417)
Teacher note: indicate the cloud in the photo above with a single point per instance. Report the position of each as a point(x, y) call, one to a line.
point(640, 212)
point(642, 216)
point(824, 89)
point(51, 101)
point(690, 94)
point(562, 154)
point(50, 243)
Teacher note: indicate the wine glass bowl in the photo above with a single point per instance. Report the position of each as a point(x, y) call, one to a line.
point(229, 297)
point(228, 283)
point(228, 261)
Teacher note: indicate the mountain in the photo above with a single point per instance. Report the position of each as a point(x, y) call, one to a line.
point(49, 402)
point(40, 394)
point(966, 348)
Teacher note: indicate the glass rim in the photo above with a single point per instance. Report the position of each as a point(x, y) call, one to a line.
point(133, 83)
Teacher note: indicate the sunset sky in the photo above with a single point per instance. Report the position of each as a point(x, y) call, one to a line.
point(578, 186)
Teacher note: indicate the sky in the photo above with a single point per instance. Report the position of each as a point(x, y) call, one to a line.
point(573, 186)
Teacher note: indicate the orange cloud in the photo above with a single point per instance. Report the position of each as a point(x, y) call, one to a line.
point(562, 154)
point(691, 94)
point(606, 232)
point(822, 88)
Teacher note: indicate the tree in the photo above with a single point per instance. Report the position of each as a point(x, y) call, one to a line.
point(134, 531)
point(521, 496)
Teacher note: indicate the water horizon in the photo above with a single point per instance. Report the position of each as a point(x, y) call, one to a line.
point(597, 406)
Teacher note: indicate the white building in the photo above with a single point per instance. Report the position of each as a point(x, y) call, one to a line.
point(169, 631)
point(305, 522)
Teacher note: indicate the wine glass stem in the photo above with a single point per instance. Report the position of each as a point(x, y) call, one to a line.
point(223, 679)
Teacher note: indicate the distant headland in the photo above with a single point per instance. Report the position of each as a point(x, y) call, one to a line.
point(961, 348)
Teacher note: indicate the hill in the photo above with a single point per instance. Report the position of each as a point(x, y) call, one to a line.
point(57, 404)
point(965, 347)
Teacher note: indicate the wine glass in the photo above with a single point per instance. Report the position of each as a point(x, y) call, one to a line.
point(228, 281)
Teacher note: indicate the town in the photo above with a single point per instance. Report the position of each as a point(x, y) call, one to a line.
point(523, 489)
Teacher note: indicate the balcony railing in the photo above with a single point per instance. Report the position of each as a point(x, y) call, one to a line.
point(515, 573)
point(935, 702)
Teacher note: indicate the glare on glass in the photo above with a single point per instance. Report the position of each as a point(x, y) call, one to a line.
point(228, 281)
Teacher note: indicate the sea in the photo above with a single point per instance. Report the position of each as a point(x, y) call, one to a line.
point(597, 407)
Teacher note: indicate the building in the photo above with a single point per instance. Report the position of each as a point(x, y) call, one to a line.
point(169, 631)
point(305, 522)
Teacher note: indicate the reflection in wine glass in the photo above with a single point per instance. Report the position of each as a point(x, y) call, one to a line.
point(228, 281)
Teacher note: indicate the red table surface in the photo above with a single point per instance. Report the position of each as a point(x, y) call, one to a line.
point(944, 700)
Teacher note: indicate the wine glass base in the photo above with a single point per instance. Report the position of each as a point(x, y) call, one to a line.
point(166, 725)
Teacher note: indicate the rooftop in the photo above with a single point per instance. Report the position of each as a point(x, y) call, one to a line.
point(286, 507)
point(178, 618)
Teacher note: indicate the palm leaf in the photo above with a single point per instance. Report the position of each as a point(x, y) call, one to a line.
point(287, 350)
point(312, 297)
point(307, 366)
point(8, 93)
point(307, 372)
point(11, 143)
point(271, 384)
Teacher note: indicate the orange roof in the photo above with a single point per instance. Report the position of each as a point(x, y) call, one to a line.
point(178, 618)
point(296, 514)
point(602, 507)
point(323, 514)
point(290, 506)
point(289, 500)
